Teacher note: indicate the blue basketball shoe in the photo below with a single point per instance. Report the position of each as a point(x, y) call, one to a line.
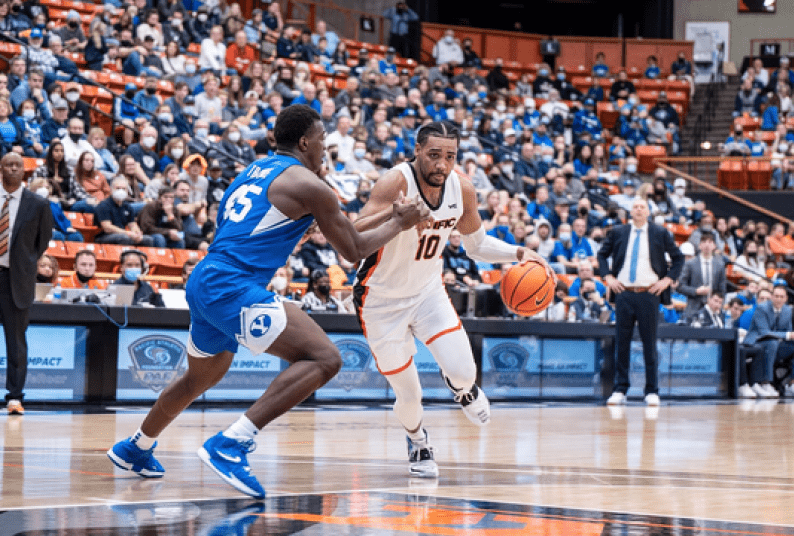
point(130, 457)
point(228, 458)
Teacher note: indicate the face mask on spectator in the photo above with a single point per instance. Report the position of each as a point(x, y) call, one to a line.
point(360, 153)
point(165, 117)
point(130, 93)
point(501, 108)
point(560, 76)
point(151, 90)
point(177, 153)
point(120, 195)
point(448, 39)
point(680, 191)
point(565, 237)
point(43, 192)
point(75, 137)
point(28, 114)
point(324, 289)
point(190, 68)
point(148, 141)
point(782, 147)
point(202, 17)
point(132, 274)
point(202, 132)
point(234, 137)
point(279, 283)
point(73, 96)
point(543, 72)
point(547, 157)
point(631, 168)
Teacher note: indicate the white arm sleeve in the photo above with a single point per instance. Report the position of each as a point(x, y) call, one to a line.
point(482, 247)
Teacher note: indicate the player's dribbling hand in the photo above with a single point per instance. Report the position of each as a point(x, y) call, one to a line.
point(525, 255)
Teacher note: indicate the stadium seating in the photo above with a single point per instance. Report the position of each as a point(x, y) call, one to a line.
point(759, 174)
point(732, 175)
point(647, 155)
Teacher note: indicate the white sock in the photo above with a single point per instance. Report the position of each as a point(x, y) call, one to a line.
point(243, 429)
point(143, 441)
point(418, 437)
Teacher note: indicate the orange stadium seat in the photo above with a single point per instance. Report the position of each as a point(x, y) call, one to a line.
point(108, 257)
point(181, 256)
point(647, 156)
point(491, 277)
point(732, 175)
point(680, 232)
point(648, 97)
point(31, 164)
point(85, 224)
point(160, 258)
point(57, 250)
point(748, 124)
point(607, 114)
point(71, 249)
point(759, 174)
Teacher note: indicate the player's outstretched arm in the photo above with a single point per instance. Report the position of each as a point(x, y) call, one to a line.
point(385, 192)
point(319, 199)
point(482, 247)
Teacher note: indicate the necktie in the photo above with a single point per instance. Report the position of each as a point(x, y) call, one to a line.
point(777, 321)
point(4, 226)
point(635, 253)
point(708, 274)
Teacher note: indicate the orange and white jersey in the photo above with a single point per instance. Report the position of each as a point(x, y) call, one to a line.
point(410, 263)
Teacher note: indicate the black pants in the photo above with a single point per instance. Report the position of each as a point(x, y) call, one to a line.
point(749, 352)
point(15, 324)
point(642, 309)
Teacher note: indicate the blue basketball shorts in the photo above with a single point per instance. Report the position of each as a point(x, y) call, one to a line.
point(229, 307)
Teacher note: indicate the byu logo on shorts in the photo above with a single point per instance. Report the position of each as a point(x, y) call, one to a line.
point(260, 326)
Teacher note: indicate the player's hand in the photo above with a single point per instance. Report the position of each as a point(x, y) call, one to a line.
point(525, 255)
point(409, 212)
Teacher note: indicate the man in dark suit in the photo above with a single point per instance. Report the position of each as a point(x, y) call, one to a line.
point(710, 315)
point(701, 276)
point(25, 232)
point(771, 329)
point(639, 278)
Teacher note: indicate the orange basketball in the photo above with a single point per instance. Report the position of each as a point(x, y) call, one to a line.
point(527, 289)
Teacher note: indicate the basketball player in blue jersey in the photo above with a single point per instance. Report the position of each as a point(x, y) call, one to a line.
point(263, 214)
point(399, 291)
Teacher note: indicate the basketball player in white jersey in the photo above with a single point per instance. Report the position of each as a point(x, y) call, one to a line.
point(399, 291)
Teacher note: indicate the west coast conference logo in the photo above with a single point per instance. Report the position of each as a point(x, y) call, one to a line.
point(509, 361)
point(355, 363)
point(157, 360)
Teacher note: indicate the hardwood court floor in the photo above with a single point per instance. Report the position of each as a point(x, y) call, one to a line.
point(696, 468)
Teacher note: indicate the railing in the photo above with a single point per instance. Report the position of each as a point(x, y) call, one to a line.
point(788, 41)
point(665, 164)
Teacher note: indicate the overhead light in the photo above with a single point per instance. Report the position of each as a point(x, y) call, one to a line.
point(706, 145)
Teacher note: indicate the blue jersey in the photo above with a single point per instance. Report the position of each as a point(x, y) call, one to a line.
point(251, 233)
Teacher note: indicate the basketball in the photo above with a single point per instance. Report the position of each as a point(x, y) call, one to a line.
point(527, 289)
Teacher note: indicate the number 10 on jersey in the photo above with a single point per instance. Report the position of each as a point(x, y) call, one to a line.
point(428, 246)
